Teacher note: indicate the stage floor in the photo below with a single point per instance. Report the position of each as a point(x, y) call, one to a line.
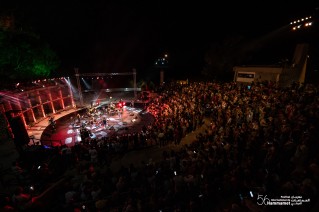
point(67, 130)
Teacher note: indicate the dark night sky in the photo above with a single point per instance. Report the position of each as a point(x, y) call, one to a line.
point(115, 36)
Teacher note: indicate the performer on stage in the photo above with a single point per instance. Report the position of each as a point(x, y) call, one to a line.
point(79, 118)
point(119, 112)
point(52, 122)
point(104, 122)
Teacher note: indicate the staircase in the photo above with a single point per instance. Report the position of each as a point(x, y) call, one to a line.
point(296, 71)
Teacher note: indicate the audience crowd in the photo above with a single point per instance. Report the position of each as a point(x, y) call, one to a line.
point(261, 140)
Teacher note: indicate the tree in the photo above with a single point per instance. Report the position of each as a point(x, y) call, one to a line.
point(24, 56)
point(220, 58)
point(223, 56)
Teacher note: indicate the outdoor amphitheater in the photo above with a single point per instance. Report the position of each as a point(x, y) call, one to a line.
point(196, 146)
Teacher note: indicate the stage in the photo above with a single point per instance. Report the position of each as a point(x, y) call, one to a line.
point(67, 128)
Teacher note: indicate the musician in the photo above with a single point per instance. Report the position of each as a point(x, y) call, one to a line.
point(119, 112)
point(92, 121)
point(112, 106)
point(104, 122)
point(52, 122)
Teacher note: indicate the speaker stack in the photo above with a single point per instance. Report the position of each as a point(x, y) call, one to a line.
point(18, 129)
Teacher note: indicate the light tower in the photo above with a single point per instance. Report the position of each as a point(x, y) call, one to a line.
point(301, 23)
point(79, 85)
point(162, 63)
point(305, 58)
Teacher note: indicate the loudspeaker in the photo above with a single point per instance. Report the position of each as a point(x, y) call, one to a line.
point(19, 131)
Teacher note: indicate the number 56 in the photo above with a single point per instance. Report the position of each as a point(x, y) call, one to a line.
point(262, 200)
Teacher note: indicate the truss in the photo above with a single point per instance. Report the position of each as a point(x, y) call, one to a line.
point(77, 74)
point(103, 74)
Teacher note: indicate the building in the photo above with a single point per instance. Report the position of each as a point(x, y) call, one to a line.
point(283, 74)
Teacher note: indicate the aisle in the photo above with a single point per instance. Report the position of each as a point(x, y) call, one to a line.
point(153, 153)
